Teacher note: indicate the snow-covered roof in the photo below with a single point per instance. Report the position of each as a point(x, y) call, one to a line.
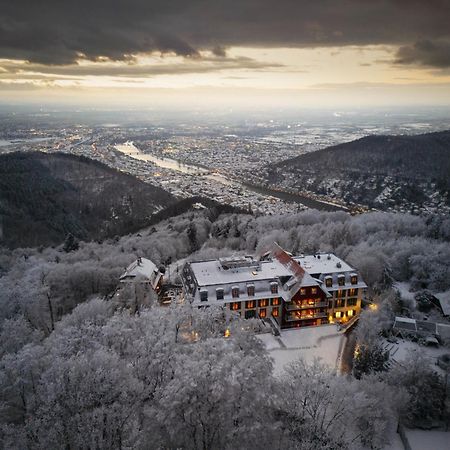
point(142, 268)
point(323, 263)
point(444, 301)
point(405, 323)
point(211, 272)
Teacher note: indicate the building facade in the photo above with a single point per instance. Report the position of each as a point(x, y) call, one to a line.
point(289, 291)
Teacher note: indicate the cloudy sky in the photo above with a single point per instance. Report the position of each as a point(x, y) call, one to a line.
point(251, 52)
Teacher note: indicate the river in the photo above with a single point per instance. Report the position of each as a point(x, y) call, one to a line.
point(130, 149)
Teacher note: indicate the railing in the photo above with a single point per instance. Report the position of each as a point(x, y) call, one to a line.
point(294, 307)
point(306, 317)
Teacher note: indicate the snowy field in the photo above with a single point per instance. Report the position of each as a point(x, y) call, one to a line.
point(323, 342)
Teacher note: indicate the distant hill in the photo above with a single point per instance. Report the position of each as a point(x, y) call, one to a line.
point(378, 171)
point(44, 197)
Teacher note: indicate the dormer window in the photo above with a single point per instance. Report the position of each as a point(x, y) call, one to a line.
point(219, 294)
point(250, 290)
point(274, 287)
point(354, 279)
point(341, 280)
point(235, 291)
point(328, 281)
point(203, 295)
point(313, 290)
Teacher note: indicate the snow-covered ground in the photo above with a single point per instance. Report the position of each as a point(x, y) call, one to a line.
point(424, 440)
point(323, 342)
point(400, 350)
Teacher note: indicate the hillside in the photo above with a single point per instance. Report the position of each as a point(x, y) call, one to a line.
point(45, 197)
point(410, 172)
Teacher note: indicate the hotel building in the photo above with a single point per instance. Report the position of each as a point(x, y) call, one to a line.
point(290, 291)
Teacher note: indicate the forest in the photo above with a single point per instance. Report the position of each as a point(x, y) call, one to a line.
point(376, 171)
point(44, 197)
point(77, 373)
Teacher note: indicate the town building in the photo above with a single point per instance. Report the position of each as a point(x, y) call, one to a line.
point(289, 291)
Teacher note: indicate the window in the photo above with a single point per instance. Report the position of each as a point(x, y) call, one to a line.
point(354, 279)
point(338, 314)
point(275, 301)
point(330, 304)
point(235, 291)
point(350, 313)
point(263, 303)
point(204, 295)
point(250, 290)
point(313, 290)
point(302, 291)
point(250, 314)
point(235, 306)
point(341, 293)
point(274, 287)
point(275, 312)
point(352, 292)
point(328, 281)
point(250, 304)
point(340, 303)
point(352, 301)
point(219, 294)
point(341, 280)
point(262, 313)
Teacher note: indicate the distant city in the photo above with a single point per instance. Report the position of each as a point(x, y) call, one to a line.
point(227, 162)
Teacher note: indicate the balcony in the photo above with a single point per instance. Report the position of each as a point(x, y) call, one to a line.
point(294, 307)
point(294, 318)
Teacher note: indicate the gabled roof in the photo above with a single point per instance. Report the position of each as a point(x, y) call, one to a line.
point(142, 268)
point(444, 301)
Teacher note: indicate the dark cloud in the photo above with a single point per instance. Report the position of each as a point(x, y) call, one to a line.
point(17, 70)
point(425, 53)
point(59, 31)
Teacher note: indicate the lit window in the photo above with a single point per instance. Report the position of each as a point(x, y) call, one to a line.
point(350, 313)
point(354, 279)
point(250, 290)
point(235, 306)
point(302, 291)
point(250, 304)
point(235, 291)
point(338, 314)
point(274, 287)
point(275, 301)
point(262, 313)
point(313, 290)
point(352, 292)
point(219, 294)
point(275, 312)
point(328, 282)
point(263, 303)
point(341, 280)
